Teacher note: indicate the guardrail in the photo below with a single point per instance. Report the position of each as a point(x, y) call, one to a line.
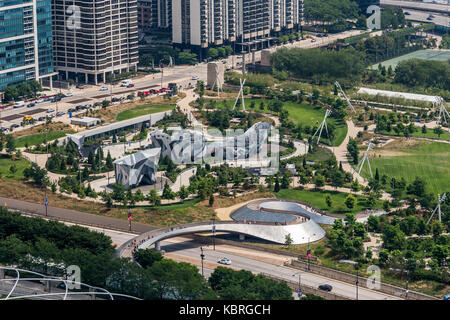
point(350, 278)
point(308, 289)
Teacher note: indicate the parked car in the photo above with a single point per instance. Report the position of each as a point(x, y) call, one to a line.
point(60, 113)
point(313, 40)
point(195, 77)
point(68, 94)
point(56, 99)
point(80, 107)
point(224, 261)
point(19, 104)
point(39, 100)
point(104, 88)
point(50, 110)
point(71, 110)
point(31, 105)
point(41, 118)
point(15, 125)
point(115, 99)
point(325, 287)
point(3, 129)
point(407, 13)
point(130, 85)
point(88, 106)
point(80, 86)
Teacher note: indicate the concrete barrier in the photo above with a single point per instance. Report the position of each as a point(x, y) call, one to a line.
point(350, 278)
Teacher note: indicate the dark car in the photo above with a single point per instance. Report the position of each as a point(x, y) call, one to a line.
point(97, 104)
point(71, 110)
point(41, 118)
point(325, 287)
point(79, 107)
point(31, 105)
point(115, 99)
point(15, 125)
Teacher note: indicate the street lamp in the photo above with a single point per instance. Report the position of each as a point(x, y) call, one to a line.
point(214, 234)
point(300, 293)
point(202, 256)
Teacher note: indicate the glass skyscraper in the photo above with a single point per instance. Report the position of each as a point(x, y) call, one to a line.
point(25, 41)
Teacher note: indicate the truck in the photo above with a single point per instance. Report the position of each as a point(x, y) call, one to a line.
point(125, 83)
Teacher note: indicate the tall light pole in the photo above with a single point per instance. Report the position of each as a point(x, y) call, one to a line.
point(202, 256)
point(357, 281)
point(214, 234)
point(299, 293)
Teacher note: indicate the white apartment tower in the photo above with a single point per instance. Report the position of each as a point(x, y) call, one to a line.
point(214, 22)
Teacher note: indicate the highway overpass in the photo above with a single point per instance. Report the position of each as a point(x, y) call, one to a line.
point(302, 231)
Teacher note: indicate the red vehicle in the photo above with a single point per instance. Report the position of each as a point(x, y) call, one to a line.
point(130, 85)
point(163, 89)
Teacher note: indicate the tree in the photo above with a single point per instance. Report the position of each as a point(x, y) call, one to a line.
point(154, 198)
point(109, 162)
point(438, 131)
point(38, 175)
point(328, 201)
point(211, 200)
point(277, 185)
point(213, 53)
point(146, 257)
point(350, 201)
point(288, 239)
point(13, 169)
point(10, 144)
point(319, 181)
point(393, 238)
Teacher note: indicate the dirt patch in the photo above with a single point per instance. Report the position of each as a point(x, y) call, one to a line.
point(52, 127)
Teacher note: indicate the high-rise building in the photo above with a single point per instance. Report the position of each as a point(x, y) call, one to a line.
point(25, 41)
point(215, 22)
point(94, 38)
point(154, 14)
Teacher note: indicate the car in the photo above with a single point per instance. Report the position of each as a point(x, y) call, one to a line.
point(325, 287)
point(56, 99)
point(3, 129)
point(432, 16)
point(313, 40)
point(50, 110)
point(80, 86)
point(104, 88)
point(79, 107)
point(60, 113)
point(19, 104)
point(88, 106)
point(130, 85)
point(61, 285)
point(71, 110)
point(407, 13)
point(96, 104)
point(15, 125)
point(83, 107)
point(39, 100)
point(31, 105)
point(68, 94)
point(41, 118)
point(224, 261)
point(429, 18)
point(195, 77)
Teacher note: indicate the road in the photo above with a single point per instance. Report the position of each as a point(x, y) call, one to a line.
point(180, 74)
point(185, 250)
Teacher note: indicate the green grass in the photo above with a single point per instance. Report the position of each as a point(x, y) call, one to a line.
point(317, 199)
point(418, 134)
point(427, 160)
point(301, 113)
point(143, 110)
point(6, 162)
point(438, 55)
point(39, 138)
point(173, 206)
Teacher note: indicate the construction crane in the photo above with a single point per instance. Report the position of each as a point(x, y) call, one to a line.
point(342, 93)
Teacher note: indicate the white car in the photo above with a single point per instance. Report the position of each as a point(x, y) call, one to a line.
point(69, 94)
point(195, 77)
point(50, 110)
point(104, 88)
point(39, 100)
point(224, 261)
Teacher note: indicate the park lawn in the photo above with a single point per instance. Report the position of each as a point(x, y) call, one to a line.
point(39, 138)
point(317, 199)
point(425, 159)
point(300, 113)
point(6, 162)
point(143, 110)
point(418, 134)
